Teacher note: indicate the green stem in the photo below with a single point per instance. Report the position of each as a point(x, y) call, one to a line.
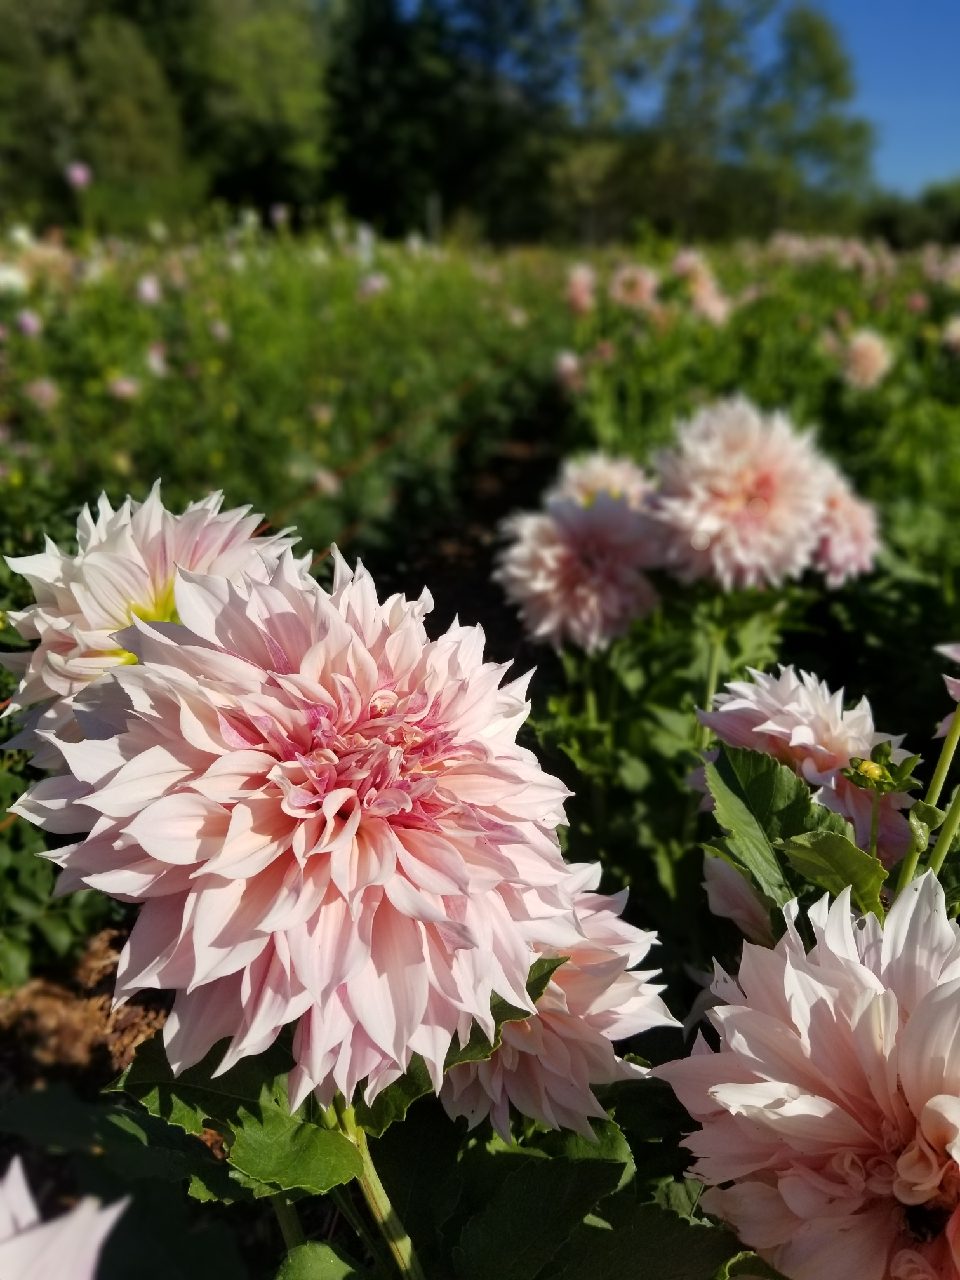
point(289, 1221)
point(710, 688)
point(875, 823)
point(378, 1202)
point(951, 823)
point(946, 759)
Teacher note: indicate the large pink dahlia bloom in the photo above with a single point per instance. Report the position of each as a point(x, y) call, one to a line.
point(576, 571)
point(547, 1065)
point(741, 497)
point(327, 820)
point(68, 1246)
point(830, 1114)
point(124, 568)
point(796, 719)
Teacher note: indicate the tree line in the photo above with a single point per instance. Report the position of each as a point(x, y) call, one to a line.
point(573, 120)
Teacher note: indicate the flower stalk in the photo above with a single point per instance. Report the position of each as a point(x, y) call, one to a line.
point(378, 1202)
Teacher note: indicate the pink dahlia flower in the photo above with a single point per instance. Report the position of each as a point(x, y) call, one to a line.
point(576, 572)
point(581, 289)
point(546, 1066)
point(797, 720)
point(741, 497)
point(831, 1112)
point(583, 479)
point(849, 534)
point(326, 818)
point(634, 287)
point(867, 360)
point(124, 569)
point(70, 1245)
point(731, 896)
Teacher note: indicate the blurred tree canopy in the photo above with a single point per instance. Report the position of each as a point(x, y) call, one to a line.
point(508, 119)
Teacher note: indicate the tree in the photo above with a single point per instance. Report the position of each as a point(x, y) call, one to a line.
point(130, 130)
point(800, 130)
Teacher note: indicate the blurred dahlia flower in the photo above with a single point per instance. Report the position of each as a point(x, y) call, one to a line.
point(634, 287)
point(709, 301)
point(581, 288)
point(583, 479)
point(867, 359)
point(326, 818)
point(576, 572)
point(849, 534)
point(951, 335)
point(831, 1112)
point(741, 497)
point(546, 1065)
point(731, 896)
point(797, 720)
point(568, 369)
point(70, 1244)
point(124, 569)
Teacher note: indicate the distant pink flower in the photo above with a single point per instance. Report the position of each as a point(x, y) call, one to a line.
point(830, 1113)
point(692, 266)
point(29, 323)
point(149, 290)
point(951, 335)
point(583, 478)
point(576, 572)
point(124, 569)
point(43, 393)
point(568, 368)
point(849, 534)
point(795, 718)
point(867, 359)
point(280, 215)
point(546, 1066)
point(124, 387)
point(327, 820)
point(157, 360)
point(710, 302)
point(918, 303)
point(220, 330)
point(326, 482)
point(581, 289)
point(78, 175)
point(70, 1244)
point(372, 285)
point(634, 287)
point(741, 497)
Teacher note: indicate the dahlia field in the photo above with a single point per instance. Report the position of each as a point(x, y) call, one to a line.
point(479, 760)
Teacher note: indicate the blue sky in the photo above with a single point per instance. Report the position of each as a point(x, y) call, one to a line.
point(906, 56)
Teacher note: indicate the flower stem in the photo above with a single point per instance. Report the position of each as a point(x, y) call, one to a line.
point(946, 758)
point(378, 1202)
point(951, 823)
point(289, 1221)
point(710, 687)
point(875, 823)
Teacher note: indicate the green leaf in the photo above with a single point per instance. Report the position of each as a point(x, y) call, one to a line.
point(269, 1148)
point(531, 1215)
point(391, 1105)
point(748, 1264)
point(319, 1262)
point(130, 1143)
point(833, 862)
point(753, 795)
point(650, 1244)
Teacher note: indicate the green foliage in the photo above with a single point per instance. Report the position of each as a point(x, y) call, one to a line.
point(833, 861)
point(268, 1149)
point(318, 1262)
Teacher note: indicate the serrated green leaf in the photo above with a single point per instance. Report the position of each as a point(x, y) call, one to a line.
point(649, 1244)
point(268, 1149)
point(750, 792)
point(319, 1262)
point(833, 862)
point(531, 1215)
